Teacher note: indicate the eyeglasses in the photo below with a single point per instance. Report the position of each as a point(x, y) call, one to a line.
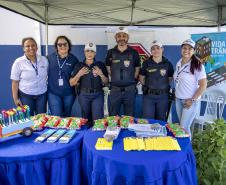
point(62, 44)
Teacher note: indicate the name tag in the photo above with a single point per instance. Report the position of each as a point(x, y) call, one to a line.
point(61, 82)
point(115, 61)
point(151, 70)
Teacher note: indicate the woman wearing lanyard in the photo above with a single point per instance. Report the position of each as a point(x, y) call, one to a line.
point(190, 83)
point(155, 76)
point(29, 78)
point(91, 76)
point(61, 64)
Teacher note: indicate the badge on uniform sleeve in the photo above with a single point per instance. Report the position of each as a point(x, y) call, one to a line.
point(162, 72)
point(126, 63)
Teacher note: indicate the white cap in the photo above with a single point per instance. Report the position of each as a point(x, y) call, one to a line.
point(122, 29)
point(189, 42)
point(156, 43)
point(90, 46)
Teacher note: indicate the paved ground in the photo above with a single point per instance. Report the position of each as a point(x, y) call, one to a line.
point(216, 76)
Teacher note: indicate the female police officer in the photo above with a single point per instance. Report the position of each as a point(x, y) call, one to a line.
point(90, 76)
point(155, 75)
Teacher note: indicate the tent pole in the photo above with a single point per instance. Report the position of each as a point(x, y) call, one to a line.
point(132, 9)
point(219, 22)
point(47, 38)
point(46, 28)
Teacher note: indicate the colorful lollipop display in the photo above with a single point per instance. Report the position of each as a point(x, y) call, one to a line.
point(15, 121)
point(15, 116)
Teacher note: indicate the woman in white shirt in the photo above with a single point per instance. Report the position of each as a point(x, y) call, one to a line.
point(29, 78)
point(190, 83)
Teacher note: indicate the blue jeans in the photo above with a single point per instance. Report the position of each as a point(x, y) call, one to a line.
point(125, 98)
point(186, 116)
point(155, 106)
point(37, 103)
point(60, 105)
point(92, 105)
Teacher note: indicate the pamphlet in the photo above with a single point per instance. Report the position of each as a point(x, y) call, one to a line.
point(45, 135)
point(67, 137)
point(103, 144)
point(56, 136)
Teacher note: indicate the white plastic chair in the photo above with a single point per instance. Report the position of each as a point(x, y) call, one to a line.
point(214, 110)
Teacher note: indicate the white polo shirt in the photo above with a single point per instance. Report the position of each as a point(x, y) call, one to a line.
point(30, 82)
point(186, 83)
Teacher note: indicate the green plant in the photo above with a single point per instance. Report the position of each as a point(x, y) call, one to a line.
point(210, 151)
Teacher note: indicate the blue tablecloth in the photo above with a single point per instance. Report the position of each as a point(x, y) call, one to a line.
point(119, 167)
point(24, 162)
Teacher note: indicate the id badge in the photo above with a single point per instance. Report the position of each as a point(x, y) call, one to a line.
point(61, 82)
point(177, 81)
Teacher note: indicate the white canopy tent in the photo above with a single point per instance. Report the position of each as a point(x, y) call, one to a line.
point(125, 12)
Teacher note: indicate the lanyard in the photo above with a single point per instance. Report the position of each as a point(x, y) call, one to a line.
point(35, 67)
point(180, 71)
point(61, 66)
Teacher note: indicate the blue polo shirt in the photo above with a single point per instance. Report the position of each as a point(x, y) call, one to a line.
point(53, 75)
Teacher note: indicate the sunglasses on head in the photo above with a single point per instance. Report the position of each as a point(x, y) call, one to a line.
point(62, 44)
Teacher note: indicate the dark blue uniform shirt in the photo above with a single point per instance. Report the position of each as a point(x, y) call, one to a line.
point(89, 80)
point(157, 74)
point(53, 75)
point(122, 66)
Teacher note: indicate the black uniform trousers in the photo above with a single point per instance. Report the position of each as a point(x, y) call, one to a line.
point(155, 106)
point(118, 98)
point(92, 105)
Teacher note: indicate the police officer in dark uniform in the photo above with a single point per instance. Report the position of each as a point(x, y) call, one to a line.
point(155, 76)
point(90, 76)
point(123, 65)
